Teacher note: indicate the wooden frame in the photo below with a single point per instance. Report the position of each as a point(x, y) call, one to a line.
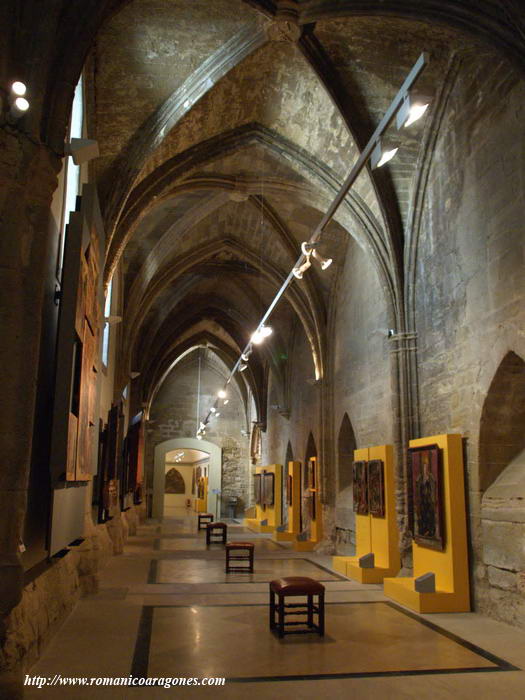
point(426, 496)
point(376, 488)
point(360, 488)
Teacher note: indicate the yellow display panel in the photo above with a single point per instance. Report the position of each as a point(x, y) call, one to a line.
point(272, 514)
point(373, 534)
point(294, 510)
point(201, 504)
point(450, 566)
point(316, 524)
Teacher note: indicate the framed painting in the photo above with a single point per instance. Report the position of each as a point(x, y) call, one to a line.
point(290, 490)
point(376, 488)
point(257, 489)
point(360, 491)
point(267, 488)
point(426, 496)
point(312, 482)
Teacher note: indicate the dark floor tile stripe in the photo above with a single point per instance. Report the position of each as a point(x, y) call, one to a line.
point(140, 663)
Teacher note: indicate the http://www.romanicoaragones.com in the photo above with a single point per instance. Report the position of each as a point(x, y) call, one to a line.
point(131, 681)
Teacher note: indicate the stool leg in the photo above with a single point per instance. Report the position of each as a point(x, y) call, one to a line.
point(310, 607)
point(281, 616)
point(272, 610)
point(207, 536)
point(320, 605)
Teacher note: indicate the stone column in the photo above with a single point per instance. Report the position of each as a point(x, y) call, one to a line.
point(28, 177)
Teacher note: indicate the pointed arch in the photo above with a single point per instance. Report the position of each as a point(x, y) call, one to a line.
point(502, 425)
point(346, 444)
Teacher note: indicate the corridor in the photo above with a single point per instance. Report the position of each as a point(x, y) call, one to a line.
point(166, 609)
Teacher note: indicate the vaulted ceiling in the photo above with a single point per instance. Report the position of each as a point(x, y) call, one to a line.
point(225, 129)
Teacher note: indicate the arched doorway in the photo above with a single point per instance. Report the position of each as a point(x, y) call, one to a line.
point(159, 474)
point(502, 427)
point(344, 512)
point(182, 468)
point(502, 483)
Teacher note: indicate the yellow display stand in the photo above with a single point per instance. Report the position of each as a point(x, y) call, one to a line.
point(200, 505)
point(272, 514)
point(375, 535)
point(294, 510)
point(316, 524)
point(450, 567)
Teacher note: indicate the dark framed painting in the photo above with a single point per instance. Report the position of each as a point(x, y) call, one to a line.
point(360, 491)
point(267, 488)
point(311, 473)
point(257, 489)
point(289, 492)
point(376, 488)
point(312, 504)
point(426, 496)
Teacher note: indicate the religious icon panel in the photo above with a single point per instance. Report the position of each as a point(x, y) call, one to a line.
point(426, 496)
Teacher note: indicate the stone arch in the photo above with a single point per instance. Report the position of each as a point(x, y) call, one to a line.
point(214, 483)
point(346, 444)
point(344, 512)
point(311, 451)
point(502, 425)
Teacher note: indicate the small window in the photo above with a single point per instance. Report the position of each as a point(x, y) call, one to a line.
point(107, 327)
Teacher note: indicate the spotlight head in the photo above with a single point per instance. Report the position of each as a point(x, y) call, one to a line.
point(266, 331)
point(213, 409)
point(242, 367)
point(380, 156)
point(221, 394)
point(18, 88)
point(199, 436)
point(412, 109)
point(324, 262)
point(225, 402)
point(217, 414)
point(19, 107)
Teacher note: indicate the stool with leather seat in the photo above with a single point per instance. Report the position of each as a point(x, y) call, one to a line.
point(293, 586)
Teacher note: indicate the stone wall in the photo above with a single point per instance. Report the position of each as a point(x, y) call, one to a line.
point(470, 288)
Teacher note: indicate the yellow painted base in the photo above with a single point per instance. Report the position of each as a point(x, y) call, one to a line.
point(402, 591)
point(255, 525)
point(349, 566)
point(285, 536)
point(200, 505)
point(305, 545)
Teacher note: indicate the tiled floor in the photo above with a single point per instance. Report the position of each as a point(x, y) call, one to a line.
point(166, 608)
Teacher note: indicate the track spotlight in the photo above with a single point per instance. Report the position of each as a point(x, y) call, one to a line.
point(299, 271)
point(199, 436)
point(213, 409)
point(260, 334)
point(242, 367)
point(225, 402)
point(217, 414)
point(246, 355)
point(412, 109)
point(324, 262)
point(222, 394)
point(380, 156)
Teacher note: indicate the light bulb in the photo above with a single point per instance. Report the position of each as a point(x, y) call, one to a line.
point(257, 338)
point(221, 394)
point(266, 331)
point(18, 88)
point(213, 409)
point(416, 112)
point(386, 157)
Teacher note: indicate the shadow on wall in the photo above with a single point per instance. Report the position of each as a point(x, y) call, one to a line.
point(344, 511)
point(502, 479)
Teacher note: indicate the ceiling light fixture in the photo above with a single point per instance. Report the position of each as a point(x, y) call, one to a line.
point(372, 154)
point(222, 394)
point(380, 156)
point(412, 109)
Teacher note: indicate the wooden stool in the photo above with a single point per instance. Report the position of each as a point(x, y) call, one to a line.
point(214, 530)
point(246, 555)
point(297, 586)
point(203, 519)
